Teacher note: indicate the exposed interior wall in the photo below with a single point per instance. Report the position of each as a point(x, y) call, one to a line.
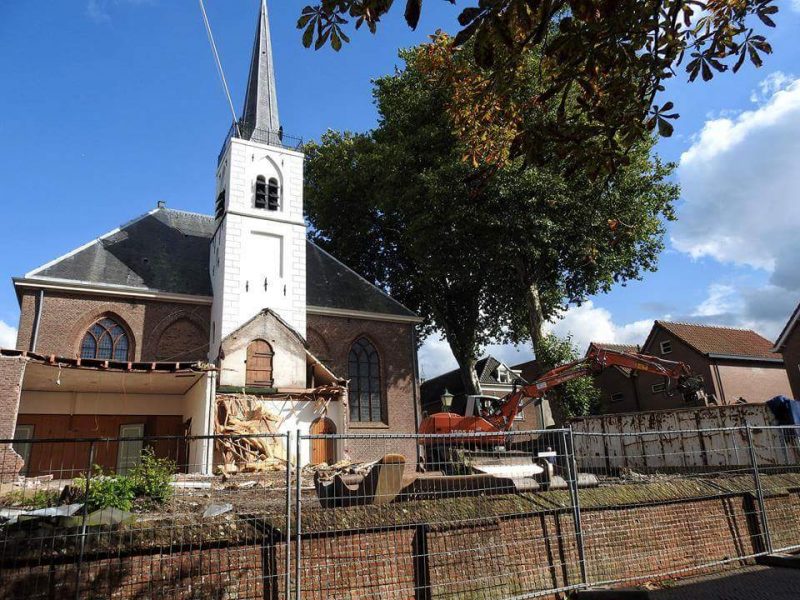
point(754, 382)
point(197, 406)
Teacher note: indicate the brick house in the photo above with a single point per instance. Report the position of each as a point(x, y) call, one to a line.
point(497, 380)
point(788, 344)
point(617, 385)
point(736, 364)
point(116, 336)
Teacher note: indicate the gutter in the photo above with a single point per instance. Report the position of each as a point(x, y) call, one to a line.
point(747, 358)
point(37, 320)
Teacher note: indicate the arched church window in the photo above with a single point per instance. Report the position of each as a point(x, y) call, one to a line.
point(364, 369)
point(106, 339)
point(261, 192)
point(259, 364)
point(273, 194)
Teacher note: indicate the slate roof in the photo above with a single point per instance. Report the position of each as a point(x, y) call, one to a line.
point(727, 341)
point(432, 389)
point(167, 250)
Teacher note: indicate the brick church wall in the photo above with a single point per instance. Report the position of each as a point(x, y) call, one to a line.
point(330, 339)
point(152, 323)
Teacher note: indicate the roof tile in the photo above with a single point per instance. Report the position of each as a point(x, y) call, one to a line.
point(710, 339)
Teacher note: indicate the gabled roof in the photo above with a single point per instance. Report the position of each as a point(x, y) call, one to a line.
point(167, 251)
point(164, 250)
point(485, 368)
point(332, 284)
point(717, 342)
point(787, 330)
point(615, 347)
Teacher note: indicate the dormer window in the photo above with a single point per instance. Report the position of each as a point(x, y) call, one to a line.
point(261, 192)
point(272, 194)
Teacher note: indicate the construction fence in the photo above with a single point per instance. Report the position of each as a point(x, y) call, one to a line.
point(462, 516)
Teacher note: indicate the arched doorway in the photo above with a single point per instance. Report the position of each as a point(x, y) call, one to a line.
point(323, 450)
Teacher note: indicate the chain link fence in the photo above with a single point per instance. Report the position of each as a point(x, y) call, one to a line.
point(462, 516)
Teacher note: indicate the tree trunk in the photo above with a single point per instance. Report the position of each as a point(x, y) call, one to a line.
point(466, 366)
point(535, 315)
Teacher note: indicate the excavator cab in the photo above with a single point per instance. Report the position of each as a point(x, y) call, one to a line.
point(482, 406)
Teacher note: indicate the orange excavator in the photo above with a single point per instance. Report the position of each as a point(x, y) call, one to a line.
point(488, 415)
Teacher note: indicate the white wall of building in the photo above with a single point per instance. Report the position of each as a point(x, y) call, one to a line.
point(254, 245)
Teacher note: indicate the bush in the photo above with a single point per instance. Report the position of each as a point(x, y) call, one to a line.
point(31, 499)
point(108, 491)
point(152, 476)
point(149, 481)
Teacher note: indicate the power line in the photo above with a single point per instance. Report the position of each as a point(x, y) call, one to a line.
point(219, 65)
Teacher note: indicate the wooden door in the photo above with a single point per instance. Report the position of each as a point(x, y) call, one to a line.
point(323, 450)
point(259, 364)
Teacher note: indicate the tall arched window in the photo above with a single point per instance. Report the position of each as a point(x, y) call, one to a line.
point(261, 192)
point(273, 194)
point(259, 364)
point(105, 339)
point(364, 368)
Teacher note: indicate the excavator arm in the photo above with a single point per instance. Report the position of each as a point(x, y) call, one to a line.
point(594, 363)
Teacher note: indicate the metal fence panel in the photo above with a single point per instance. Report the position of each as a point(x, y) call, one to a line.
point(401, 516)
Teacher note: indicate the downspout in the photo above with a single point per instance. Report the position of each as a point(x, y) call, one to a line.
point(415, 386)
point(37, 319)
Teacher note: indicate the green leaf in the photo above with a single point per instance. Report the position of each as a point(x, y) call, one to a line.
point(308, 35)
point(665, 128)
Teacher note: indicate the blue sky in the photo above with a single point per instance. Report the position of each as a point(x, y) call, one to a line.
point(112, 105)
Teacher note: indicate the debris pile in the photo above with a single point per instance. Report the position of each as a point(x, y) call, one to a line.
point(250, 449)
point(325, 472)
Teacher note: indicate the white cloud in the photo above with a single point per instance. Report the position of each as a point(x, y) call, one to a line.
point(586, 323)
point(796, 5)
point(8, 335)
point(590, 323)
point(740, 179)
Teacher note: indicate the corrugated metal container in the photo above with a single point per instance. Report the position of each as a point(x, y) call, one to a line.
point(683, 438)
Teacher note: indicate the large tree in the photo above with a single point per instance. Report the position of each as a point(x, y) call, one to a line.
point(480, 258)
point(613, 55)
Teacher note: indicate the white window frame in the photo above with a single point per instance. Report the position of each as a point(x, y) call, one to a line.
point(666, 344)
point(657, 388)
point(129, 430)
point(23, 432)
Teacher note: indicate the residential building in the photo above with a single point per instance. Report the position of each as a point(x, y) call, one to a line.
point(788, 344)
point(737, 365)
point(138, 331)
point(496, 379)
point(617, 385)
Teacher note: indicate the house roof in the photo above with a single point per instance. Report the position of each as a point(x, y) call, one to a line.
point(615, 347)
point(791, 324)
point(485, 368)
point(715, 341)
point(167, 251)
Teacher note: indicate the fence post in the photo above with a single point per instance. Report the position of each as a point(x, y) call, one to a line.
point(287, 567)
point(572, 481)
point(84, 514)
point(759, 490)
point(298, 517)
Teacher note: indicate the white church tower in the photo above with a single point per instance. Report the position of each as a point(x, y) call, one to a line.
point(258, 256)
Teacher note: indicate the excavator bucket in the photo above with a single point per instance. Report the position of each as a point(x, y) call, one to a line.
point(379, 485)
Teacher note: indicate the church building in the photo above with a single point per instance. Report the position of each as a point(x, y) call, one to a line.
point(146, 329)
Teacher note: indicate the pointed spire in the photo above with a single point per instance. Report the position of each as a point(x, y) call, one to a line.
point(260, 114)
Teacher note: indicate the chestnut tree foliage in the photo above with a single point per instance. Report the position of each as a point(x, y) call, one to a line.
point(480, 258)
point(608, 58)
